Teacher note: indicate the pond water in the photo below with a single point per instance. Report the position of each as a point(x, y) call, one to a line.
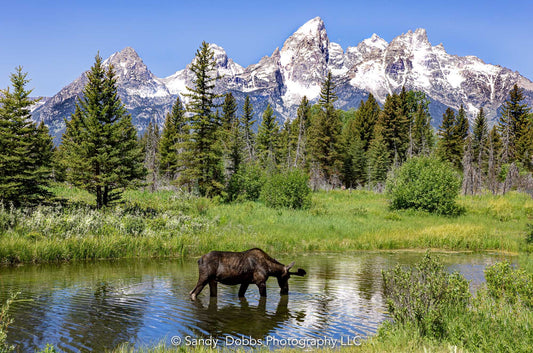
point(95, 306)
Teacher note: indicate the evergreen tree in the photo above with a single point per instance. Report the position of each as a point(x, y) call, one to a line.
point(395, 125)
point(378, 158)
point(365, 120)
point(174, 139)
point(516, 129)
point(25, 149)
point(451, 143)
point(268, 139)
point(480, 133)
point(247, 123)
point(355, 164)
point(324, 139)
point(462, 128)
point(101, 149)
point(420, 131)
point(206, 152)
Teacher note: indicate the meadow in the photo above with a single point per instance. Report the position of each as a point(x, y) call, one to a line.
point(172, 224)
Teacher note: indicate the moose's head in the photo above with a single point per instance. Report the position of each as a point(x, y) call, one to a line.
point(283, 278)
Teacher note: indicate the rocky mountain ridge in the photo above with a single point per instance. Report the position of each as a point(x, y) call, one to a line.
point(283, 78)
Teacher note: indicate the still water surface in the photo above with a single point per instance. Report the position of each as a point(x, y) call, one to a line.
point(95, 306)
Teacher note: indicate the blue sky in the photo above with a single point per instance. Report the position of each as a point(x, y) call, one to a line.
point(55, 41)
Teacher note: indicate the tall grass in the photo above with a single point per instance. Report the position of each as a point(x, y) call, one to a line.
point(168, 223)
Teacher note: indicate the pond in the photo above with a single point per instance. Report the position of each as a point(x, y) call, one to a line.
point(95, 306)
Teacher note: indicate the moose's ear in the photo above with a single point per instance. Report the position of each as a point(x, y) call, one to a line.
point(289, 266)
point(301, 272)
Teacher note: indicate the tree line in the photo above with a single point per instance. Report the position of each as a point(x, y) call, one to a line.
point(204, 145)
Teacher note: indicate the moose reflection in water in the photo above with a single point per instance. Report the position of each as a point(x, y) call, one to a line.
point(244, 268)
point(246, 319)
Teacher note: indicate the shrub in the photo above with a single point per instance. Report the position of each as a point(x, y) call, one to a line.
point(246, 183)
point(512, 285)
point(287, 190)
point(423, 296)
point(425, 183)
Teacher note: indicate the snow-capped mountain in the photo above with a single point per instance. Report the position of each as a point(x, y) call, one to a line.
point(298, 69)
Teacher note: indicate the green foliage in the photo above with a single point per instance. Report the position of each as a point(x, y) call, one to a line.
point(173, 142)
point(246, 183)
point(421, 136)
point(206, 155)
point(425, 183)
point(232, 141)
point(100, 142)
point(5, 321)
point(365, 120)
point(268, 139)
point(516, 129)
point(452, 133)
point(25, 148)
point(511, 285)
point(394, 122)
point(424, 295)
point(288, 189)
point(324, 137)
point(378, 158)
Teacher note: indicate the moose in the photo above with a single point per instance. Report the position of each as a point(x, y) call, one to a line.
point(244, 268)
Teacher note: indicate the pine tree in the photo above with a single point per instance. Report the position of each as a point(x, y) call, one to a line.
point(395, 125)
point(420, 131)
point(247, 123)
point(451, 140)
point(174, 137)
point(378, 158)
point(25, 149)
point(100, 142)
point(462, 128)
point(268, 139)
point(206, 151)
point(480, 132)
point(365, 120)
point(324, 139)
point(515, 128)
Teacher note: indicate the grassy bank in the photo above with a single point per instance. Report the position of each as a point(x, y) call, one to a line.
point(166, 223)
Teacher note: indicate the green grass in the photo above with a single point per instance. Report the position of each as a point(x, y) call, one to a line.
point(170, 224)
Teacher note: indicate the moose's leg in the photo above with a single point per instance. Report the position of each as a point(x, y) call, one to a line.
point(243, 289)
point(213, 288)
point(199, 286)
point(262, 289)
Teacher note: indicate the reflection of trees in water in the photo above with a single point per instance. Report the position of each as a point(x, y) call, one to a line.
point(241, 318)
point(369, 278)
point(103, 317)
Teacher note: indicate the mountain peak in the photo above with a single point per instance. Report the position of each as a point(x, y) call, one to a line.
point(375, 41)
point(312, 26)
